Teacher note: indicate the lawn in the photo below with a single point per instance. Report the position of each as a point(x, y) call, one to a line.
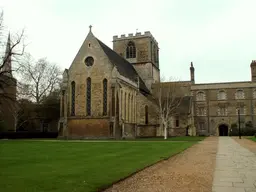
point(76, 166)
point(253, 139)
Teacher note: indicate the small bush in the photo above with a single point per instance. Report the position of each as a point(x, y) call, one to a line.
point(234, 131)
point(247, 131)
point(27, 135)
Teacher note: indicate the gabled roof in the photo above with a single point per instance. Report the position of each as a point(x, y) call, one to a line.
point(123, 66)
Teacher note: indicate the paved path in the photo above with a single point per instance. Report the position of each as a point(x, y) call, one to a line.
point(235, 169)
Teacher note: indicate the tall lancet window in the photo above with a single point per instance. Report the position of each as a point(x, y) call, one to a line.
point(73, 97)
point(88, 96)
point(130, 50)
point(105, 96)
point(146, 114)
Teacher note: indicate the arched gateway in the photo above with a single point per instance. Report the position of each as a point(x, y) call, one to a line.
point(223, 130)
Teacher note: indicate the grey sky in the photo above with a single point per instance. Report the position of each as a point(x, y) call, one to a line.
point(219, 36)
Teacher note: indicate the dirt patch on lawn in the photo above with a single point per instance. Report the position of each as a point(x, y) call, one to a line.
point(246, 143)
point(190, 171)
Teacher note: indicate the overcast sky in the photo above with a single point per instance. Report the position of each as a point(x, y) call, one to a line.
point(219, 36)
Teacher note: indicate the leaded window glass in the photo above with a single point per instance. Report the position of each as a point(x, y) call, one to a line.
point(146, 114)
point(105, 96)
point(88, 97)
point(73, 92)
point(131, 50)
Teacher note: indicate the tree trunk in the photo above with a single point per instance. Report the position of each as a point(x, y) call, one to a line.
point(165, 131)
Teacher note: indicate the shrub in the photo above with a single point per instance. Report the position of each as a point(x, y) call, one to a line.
point(244, 131)
point(234, 131)
point(248, 131)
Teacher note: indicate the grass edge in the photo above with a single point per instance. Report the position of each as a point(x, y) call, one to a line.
point(101, 189)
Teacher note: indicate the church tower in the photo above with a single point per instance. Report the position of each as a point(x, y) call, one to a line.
point(7, 63)
point(143, 52)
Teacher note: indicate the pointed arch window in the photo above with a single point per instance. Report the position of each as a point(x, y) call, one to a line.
point(146, 114)
point(130, 50)
point(88, 96)
point(105, 96)
point(125, 110)
point(73, 92)
point(128, 107)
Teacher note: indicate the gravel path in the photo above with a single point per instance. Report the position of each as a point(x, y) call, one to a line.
point(189, 171)
point(246, 143)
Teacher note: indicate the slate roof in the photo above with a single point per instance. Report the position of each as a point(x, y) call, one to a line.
point(123, 66)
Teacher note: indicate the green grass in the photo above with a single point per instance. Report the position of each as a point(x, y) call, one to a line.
point(253, 139)
point(41, 166)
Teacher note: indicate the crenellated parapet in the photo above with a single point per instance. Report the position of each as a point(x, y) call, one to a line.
point(134, 36)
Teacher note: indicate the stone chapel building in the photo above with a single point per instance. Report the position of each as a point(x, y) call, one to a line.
point(108, 94)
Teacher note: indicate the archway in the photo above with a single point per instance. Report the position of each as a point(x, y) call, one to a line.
point(223, 130)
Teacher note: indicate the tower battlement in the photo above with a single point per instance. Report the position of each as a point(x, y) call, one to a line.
point(133, 36)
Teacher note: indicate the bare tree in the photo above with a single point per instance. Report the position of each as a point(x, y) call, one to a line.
point(11, 51)
point(168, 96)
point(38, 78)
point(12, 47)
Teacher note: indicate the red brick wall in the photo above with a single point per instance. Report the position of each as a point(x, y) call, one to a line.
point(88, 128)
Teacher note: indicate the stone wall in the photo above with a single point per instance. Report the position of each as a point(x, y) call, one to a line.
point(146, 131)
point(220, 104)
point(129, 130)
point(79, 72)
point(177, 132)
point(143, 102)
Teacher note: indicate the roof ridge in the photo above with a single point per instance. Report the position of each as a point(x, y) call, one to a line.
point(124, 67)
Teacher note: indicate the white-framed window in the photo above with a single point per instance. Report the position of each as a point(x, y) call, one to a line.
point(200, 96)
point(239, 94)
point(222, 95)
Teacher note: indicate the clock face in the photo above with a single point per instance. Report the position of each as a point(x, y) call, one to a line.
point(89, 61)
